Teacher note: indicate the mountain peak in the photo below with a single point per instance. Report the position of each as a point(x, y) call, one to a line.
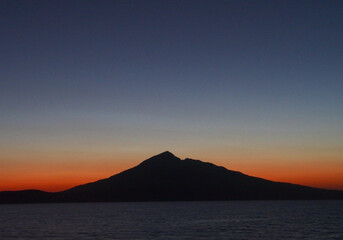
point(165, 154)
point(162, 158)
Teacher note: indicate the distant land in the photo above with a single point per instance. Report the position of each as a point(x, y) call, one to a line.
point(165, 177)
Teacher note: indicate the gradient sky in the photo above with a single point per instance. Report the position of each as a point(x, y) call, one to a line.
point(91, 88)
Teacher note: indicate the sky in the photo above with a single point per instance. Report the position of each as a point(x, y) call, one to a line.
point(91, 88)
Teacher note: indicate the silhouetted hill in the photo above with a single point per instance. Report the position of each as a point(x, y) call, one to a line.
point(165, 177)
point(26, 196)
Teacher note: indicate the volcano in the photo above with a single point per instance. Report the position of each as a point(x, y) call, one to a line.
point(165, 177)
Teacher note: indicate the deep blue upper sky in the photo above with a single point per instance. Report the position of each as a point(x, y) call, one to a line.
point(155, 55)
point(182, 75)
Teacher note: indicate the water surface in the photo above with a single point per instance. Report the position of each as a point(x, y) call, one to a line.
point(174, 220)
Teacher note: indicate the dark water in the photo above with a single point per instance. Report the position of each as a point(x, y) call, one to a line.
point(174, 220)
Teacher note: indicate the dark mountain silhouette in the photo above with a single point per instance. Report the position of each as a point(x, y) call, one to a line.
point(165, 177)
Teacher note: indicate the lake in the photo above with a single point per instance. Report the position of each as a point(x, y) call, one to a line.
point(174, 220)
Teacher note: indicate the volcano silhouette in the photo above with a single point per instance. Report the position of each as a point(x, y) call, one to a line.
point(165, 177)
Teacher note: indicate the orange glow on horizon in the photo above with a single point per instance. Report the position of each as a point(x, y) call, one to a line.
point(62, 181)
point(52, 183)
point(56, 178)
point(55, 184)
point(57, 175)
